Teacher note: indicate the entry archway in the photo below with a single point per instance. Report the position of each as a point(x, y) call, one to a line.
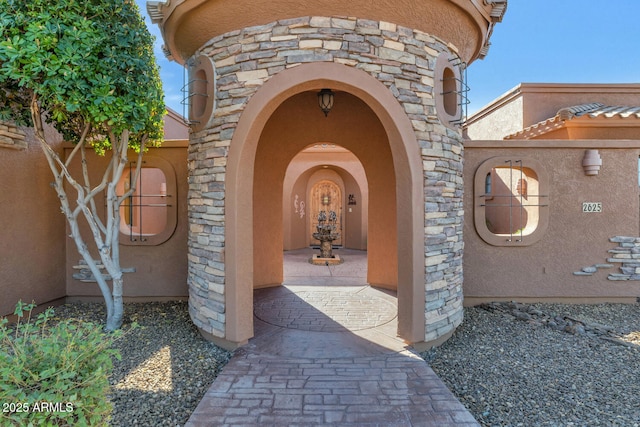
point(314, 163)
point(353, 126)
point(247, 156)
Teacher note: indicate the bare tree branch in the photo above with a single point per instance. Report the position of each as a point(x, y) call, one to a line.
point(80, 144)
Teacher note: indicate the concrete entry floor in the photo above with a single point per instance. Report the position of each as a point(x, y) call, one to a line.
point(325, 352)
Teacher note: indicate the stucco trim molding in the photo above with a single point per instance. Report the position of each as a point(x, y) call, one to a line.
point(187, 24)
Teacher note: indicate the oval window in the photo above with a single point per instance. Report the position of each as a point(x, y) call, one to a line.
point(511, 201)
point(447, 90)
point(148, 216)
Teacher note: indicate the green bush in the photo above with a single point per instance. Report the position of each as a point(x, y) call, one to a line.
point(54, 374)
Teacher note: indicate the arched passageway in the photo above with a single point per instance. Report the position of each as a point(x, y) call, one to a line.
point(295, 124)
point(325, 176)
point(281, 119)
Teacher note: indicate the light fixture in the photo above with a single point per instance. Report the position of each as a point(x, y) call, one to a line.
point(325, 101)
point(591, 162)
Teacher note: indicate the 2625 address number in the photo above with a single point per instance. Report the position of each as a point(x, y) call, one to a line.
point(592, 207)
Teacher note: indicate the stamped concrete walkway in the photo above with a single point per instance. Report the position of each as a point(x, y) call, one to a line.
point(325, 352)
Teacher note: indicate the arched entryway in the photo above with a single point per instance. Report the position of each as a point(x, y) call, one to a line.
point(256, 167)
point(325, 162)
point(296, 123)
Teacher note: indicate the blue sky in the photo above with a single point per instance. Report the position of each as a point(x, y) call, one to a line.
point(538, 41)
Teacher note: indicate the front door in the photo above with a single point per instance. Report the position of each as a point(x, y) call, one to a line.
point(325, 196)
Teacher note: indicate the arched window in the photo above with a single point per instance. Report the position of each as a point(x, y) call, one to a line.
point(201, 91)
point(511, 201)
point(448, 90)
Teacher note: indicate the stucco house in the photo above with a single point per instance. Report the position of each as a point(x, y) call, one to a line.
point(358, 108)
point(551, 194)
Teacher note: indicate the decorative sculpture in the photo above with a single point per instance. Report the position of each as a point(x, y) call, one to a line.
point(326, 233)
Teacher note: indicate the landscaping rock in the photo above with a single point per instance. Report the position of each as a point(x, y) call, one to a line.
point(570, 365)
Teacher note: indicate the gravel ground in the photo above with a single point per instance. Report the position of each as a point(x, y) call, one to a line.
point(166, 365)
point(509, 364)
point(545, 364)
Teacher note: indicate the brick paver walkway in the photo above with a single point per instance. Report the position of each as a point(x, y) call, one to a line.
point(327, 355)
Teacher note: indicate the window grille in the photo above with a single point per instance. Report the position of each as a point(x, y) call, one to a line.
point(144, 212)
point(514, 202)
point(458, 88)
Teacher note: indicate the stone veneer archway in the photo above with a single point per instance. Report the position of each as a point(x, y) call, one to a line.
point(391, 71)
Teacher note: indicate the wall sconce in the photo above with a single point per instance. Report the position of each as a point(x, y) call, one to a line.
point(591, 162)
point(325, 101)
point(326, 199)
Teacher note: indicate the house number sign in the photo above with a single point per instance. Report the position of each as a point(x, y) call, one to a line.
point(592, 207)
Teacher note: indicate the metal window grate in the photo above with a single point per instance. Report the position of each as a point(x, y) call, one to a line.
point(137, 200)
point(463, 98)
point(188, 90)
point(522, 198)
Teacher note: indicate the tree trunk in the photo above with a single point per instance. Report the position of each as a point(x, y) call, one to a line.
point(114, 321)
point(105, 236)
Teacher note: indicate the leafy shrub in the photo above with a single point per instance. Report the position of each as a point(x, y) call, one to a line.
point(54, 374)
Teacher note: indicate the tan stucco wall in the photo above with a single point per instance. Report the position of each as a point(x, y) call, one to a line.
point(175, 127)
point(161, 270)
point(496, 123)
point(573, 239)
point(542, 101)
point(32, 236)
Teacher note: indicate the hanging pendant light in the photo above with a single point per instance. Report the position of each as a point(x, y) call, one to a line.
point(325, 101)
